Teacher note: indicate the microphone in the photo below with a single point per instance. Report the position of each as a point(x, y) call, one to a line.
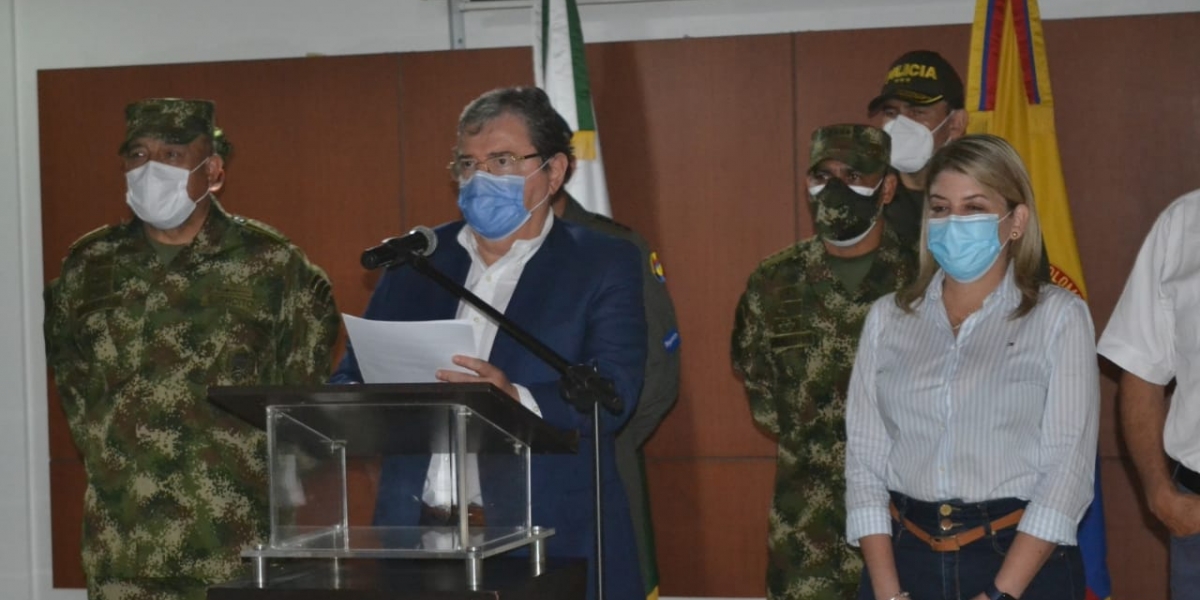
point(420, 241)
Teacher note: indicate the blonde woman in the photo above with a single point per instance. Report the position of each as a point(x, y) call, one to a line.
point(973, 406)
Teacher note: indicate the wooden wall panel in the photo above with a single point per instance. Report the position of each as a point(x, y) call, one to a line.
point(1137, 542)
point(67, 485)
point(432, 100)
point(1129, 144)
point(706, 166)
point(1128, 125)
point(699, 163)
point(711, 541)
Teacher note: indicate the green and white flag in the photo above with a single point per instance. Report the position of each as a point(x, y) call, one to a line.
point(560, 68)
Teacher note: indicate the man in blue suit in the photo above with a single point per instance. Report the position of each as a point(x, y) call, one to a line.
point(576, 290)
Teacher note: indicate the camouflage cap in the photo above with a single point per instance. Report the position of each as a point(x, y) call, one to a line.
point(173, 120)
point(866, 149)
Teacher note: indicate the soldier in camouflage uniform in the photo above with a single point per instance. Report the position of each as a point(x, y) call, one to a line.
point(795, 333)
point(145, 316)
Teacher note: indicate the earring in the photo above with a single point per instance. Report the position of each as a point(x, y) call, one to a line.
point(1015, 235)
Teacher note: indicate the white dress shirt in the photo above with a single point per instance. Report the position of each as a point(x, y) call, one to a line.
point(1154, 332)
point(494, 284)
point(1009, 408)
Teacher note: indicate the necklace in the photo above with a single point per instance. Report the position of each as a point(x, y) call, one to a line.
point(956, 323)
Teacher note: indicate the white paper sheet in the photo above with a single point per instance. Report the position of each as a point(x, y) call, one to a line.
point(408, 351)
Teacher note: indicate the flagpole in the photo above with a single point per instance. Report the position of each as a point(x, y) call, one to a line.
point(599, 502)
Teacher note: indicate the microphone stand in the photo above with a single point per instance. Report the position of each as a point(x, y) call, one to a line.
point(581, 385)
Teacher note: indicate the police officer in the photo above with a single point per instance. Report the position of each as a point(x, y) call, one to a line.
point(146, 315)
point(921, 107)
point(795, 333)
point(661, 386)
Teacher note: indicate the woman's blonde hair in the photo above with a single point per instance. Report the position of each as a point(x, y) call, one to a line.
point(994, 164)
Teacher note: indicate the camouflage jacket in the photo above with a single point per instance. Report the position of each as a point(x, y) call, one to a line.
point(795, 334)
point(176, 487)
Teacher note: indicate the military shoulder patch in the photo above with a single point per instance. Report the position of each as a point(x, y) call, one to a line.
point(91, 236)
point(790, 253)
point(656, 267)
point(262, 228)
point(672, 340)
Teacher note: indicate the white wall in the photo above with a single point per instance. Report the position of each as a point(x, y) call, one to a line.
point(53, 34)
point(17, 470)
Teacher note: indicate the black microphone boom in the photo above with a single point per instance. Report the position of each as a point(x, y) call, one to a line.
point(421, 241)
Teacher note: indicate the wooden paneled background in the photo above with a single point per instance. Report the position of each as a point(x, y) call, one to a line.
point(705, 141)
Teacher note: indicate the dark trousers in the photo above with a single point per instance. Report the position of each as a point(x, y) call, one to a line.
point(1185, 551)
point(961, 575)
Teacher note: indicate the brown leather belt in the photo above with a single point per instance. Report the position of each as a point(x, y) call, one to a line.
point(954, 543)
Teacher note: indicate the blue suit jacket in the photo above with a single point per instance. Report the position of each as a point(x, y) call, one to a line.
point(581, 295)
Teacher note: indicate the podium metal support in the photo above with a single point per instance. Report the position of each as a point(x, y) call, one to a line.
point(537, 553)
point(474, 569)
point(460, 471)
point(259, 565)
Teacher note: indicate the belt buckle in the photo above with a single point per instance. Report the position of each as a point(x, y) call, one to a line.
point(943, 543)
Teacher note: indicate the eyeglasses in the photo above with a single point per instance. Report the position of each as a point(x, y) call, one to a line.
point(464, 167)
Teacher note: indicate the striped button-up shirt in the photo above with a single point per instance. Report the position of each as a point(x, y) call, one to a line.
point(1008, 408)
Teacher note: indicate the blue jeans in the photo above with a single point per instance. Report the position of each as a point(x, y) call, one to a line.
point(929, 575)
point(1185, 564)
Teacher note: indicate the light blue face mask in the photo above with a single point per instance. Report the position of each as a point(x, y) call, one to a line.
point(494, 205)
point(966, 246)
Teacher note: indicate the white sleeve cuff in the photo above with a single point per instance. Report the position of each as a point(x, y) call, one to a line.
point(526, 399)
point(1134, 361)
point(1048, 524)
point(861, 522)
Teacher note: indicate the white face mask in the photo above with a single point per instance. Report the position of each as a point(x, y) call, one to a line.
point(912, 143)
point(158, 194)
point(854, 240)
point(861, 190)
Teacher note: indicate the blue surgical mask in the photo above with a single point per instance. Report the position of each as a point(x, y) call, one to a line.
point(965, 246)
point(494, 205)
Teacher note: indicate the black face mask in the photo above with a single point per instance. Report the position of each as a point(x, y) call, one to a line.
point(840, 213)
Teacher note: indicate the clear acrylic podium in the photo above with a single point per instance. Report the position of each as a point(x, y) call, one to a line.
point(476, 432)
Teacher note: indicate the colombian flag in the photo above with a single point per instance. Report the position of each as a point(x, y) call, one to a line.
point(560, 68)
point(1008, 94)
